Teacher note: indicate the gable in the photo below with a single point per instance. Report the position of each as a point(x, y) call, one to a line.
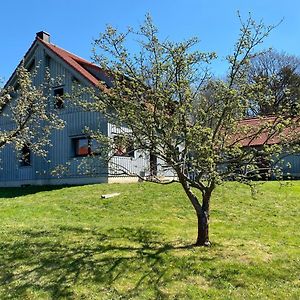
point(42, 50)
point(81, 67)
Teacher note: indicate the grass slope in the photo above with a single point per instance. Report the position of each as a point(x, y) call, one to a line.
point(68, 243)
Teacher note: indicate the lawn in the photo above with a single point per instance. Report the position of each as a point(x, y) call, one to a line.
point(68, 243)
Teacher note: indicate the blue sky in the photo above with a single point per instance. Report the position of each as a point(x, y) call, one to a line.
point(74, 23)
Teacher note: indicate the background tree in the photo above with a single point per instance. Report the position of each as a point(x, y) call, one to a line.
point(26, 120)
point(160, 95)
point(279, 73)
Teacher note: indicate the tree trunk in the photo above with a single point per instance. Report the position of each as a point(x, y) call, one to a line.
point(203, 220)
point(202, 211)
point(203, 227)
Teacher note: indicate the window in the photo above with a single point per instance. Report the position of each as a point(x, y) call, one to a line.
point(123, 146)
point(47, 61)
point(58, 95)
point(84, 146)
point(31, 66)
point(25, 159)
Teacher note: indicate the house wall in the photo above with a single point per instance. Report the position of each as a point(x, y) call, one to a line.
point(61, 153)
point(137, 166)
point(290, 166)
point(132, 165)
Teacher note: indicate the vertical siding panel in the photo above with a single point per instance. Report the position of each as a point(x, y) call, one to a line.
point(137, 165)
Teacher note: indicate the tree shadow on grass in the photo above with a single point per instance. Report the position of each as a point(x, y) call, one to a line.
point(124, 263)
point(12, 192)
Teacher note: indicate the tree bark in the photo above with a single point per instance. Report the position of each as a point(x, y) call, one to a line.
point(203, 220)
point(203, 229)
point(202, 211)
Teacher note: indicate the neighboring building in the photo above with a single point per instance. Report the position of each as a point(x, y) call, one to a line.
point(289, 164)
point(69, 146)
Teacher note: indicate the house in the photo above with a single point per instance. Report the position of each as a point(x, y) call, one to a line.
point(70, 146)
point(288, 162)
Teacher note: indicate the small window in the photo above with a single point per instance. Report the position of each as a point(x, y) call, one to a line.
point(31, 66)
point(84, 146)
point(47, 61)
point(123, 146)
point(58, 95)
point(25, 159)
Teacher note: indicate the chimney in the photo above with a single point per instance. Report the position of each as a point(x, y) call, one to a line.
point(44, 36)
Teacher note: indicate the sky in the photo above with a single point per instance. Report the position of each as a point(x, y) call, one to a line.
point(74, 24)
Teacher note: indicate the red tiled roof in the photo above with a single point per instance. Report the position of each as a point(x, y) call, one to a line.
point(256, 121)
point(253, 138)
point(75, 62)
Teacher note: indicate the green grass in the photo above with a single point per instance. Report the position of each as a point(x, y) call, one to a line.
point(68, 243)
